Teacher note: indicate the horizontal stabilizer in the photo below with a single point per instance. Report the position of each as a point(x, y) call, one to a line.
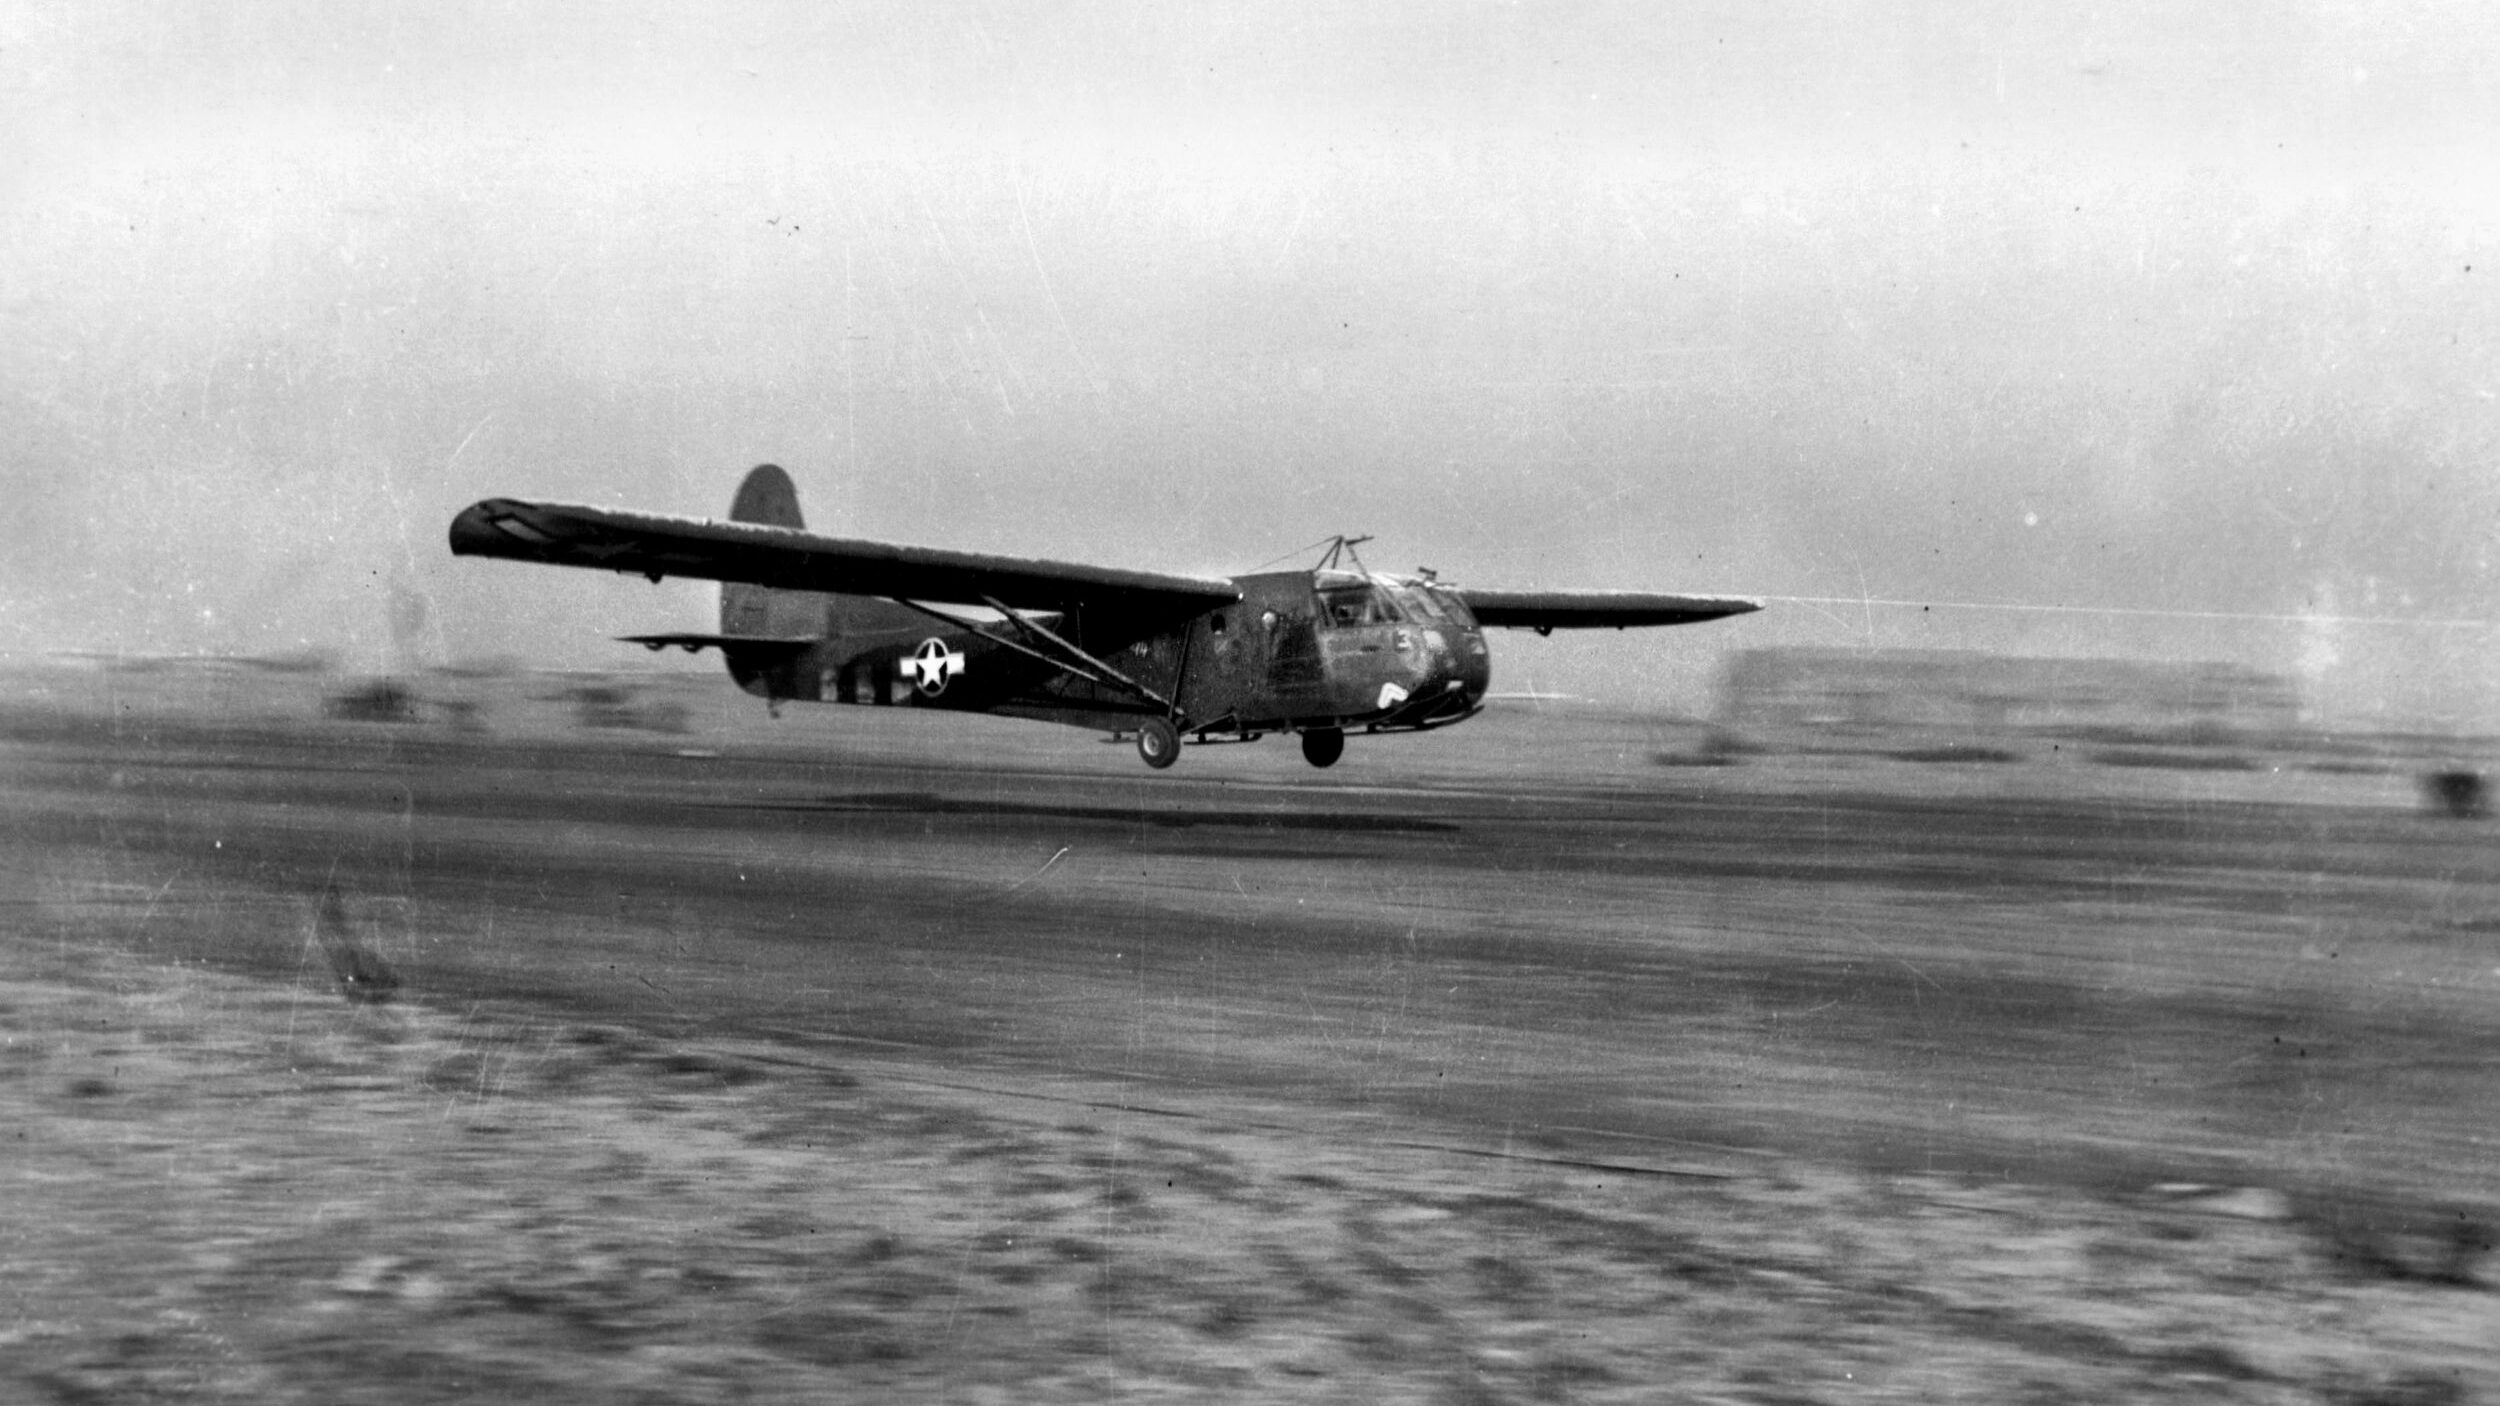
point(744, 644)
point(1596, 610)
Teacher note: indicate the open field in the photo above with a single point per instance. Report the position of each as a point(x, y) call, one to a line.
point(967, 1060)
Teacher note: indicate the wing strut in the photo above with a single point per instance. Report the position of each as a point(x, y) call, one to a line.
point(973, 627)
point(1074, 661)
point(1106, 673)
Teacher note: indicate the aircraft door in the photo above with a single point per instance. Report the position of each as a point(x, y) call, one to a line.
point(1292, 646)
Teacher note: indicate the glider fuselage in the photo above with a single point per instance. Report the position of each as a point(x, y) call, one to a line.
point(1299, 650)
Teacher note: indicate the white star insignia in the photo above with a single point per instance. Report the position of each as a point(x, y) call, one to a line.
point(934, 666)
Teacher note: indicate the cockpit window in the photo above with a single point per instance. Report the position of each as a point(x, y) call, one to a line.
point(1451, 604)
point(1360, 603)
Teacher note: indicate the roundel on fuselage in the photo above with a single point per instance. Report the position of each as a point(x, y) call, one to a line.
point(933, 666)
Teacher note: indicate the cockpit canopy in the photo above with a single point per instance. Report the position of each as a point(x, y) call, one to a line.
point(1348, 600)
point(1355, 601)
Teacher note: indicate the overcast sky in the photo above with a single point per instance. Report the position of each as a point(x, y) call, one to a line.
point(2115, 310)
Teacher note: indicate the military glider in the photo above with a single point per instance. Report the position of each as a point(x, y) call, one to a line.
point(1320, 652)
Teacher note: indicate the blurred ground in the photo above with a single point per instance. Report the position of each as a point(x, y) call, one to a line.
point(1561, 1057)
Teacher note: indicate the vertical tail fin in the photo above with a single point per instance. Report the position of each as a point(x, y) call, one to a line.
point(768, 498)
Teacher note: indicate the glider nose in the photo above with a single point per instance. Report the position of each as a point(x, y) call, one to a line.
point(1453, 662)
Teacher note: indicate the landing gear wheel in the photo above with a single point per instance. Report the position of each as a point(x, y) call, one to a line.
point(1321, 746)
point(1158, 743)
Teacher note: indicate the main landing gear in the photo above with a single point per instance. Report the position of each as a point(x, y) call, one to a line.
point(1321, 746)
point(1158, 743)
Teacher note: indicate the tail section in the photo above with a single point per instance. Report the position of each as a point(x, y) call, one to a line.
point(768, 498)
point(812, 646)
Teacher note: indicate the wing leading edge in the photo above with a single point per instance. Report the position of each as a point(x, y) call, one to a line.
point(1594, 610)
point(654, 545)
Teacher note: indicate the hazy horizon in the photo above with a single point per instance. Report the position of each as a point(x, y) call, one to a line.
point(2171, 329)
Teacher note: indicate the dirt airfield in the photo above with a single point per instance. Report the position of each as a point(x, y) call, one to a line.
point(604, 1041)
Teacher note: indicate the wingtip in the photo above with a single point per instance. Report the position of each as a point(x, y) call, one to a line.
point(498, 527)
point(469, 529)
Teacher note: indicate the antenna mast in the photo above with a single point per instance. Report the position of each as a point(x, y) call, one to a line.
point(1342, 547)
